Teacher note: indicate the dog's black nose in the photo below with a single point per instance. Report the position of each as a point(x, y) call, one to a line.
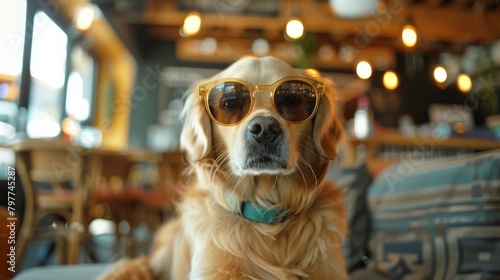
point(264, 129)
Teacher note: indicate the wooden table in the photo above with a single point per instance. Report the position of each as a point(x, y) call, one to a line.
point(98, 168)
point(92, 170)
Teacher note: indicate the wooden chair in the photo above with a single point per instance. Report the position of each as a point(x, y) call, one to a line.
point(45, 162)
point(99, 178)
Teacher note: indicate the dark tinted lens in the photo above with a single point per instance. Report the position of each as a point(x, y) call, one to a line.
point(229, 102)
point(295, 100)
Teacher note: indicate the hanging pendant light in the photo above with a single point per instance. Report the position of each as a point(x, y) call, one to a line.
point(364, 70)
point(464, 83)
point(192, 24)
point(294, 28)
point(409, 36)
point(390, 80)
point(85, 16)
point(440, 74)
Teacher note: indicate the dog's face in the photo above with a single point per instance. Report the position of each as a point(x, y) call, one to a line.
point(263, 142)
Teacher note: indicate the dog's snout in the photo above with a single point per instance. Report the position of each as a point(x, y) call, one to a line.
point(264, 129)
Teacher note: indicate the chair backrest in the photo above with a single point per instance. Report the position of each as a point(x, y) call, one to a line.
point(54, 163)
point(45, 161)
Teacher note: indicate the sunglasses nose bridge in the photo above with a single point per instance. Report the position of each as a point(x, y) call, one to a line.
point(263, 88)
point(260, 96)
point(261, 93)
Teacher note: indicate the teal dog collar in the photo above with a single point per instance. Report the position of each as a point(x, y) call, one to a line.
point(257, 213)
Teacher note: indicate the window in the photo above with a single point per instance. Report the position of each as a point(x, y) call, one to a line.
point(13, 23)
point(80, 85)
point(48, 70)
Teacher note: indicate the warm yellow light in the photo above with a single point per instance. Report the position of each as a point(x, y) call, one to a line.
point(294, 29)
point(85, 17)
point(390, 80)
point(409, 36)
point(440, 74)
point(464, 83)
point(192, 24)
point(364, 70)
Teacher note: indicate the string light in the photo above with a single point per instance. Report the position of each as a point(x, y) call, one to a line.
point(464, 83)
point(294, 29)
point(409, 36)
point(364, 70)
point(192, 24)
point(440, 74)
point(390, 80)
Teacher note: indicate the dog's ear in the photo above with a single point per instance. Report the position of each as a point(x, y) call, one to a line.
point(327, 127)
point(196, 136)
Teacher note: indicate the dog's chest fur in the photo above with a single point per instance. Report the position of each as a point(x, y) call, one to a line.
point(304, 243)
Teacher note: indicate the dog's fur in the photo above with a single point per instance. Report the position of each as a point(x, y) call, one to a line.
point(209, 239)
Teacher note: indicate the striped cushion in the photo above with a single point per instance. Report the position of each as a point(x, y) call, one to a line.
point(438, 219)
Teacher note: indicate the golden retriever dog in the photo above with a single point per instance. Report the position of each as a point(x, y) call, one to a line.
point(258, 137)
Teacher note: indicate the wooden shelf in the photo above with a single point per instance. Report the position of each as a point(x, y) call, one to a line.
point(393, 139)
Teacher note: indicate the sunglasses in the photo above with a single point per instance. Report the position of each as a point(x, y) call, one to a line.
point(229, 101)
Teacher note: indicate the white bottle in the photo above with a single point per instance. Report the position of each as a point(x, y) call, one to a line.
point(362, 123)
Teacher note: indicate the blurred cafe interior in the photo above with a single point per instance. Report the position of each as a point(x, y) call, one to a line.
point(91, 92)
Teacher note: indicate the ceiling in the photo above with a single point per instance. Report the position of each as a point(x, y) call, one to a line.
point(442, 25)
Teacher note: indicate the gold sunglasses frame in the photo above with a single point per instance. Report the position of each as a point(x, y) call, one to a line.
point(204, 90)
